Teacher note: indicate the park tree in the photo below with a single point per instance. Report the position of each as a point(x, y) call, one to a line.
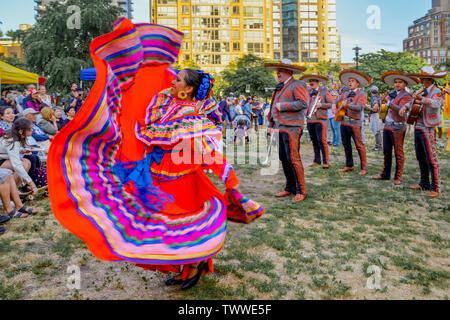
point(327, 68)
point(375, 64)
point(17, 35)
point(444, 66)
point(58, 48)
point(186, 64)
point(248, 70)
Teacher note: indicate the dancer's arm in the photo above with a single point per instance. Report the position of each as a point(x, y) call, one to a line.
point(222, 169)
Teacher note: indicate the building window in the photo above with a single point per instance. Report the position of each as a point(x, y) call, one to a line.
point(236, 46)
point(235, 10)
point(185, 10)
point(216, 59)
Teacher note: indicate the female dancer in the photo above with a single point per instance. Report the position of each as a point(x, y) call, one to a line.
point(132, 162)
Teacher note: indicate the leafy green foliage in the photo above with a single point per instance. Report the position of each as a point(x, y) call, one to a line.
point(248, 70)
point(375, 64)
point(59, 53)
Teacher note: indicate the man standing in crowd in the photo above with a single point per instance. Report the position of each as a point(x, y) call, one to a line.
point(395, 125)
point(354, 103)
point(317, 120)
point(287, 114)
point(78, 99)
point(428, 119)
point(375, 124)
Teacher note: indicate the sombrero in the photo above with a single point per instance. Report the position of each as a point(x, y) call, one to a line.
point(285, 64)
point(428, 73)
point(313, 76)
point(363, 80)
point(390, 76)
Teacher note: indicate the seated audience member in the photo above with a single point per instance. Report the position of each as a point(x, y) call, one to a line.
point(34, 102)
point(27, 94)
point(13, 146)
point(60, 121)
point(70, 112)
point(38, 137)
point(48, 122)
point(19, 101)
point(44, 97)
point(8, 193)
point(7, 117)
point(10, 100)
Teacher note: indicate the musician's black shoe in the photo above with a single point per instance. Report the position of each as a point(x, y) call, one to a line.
point(189, 283)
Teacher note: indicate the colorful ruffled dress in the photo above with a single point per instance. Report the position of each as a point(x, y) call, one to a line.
point(126, 175)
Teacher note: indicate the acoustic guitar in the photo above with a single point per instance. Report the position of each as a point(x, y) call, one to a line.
point(415, 108)
point(340, 113)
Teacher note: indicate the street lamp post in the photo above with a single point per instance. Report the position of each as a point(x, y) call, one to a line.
point(357, 49)
point(247, 86)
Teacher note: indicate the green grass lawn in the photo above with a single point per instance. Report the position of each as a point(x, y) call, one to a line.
point(323, 248)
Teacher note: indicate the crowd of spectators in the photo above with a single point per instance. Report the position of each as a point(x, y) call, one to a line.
point(29, 120)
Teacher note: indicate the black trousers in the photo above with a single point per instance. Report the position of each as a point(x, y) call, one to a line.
point(425, 145)
point(393, 139)
point(318, 133)
point(348, 132)
point(289, 154)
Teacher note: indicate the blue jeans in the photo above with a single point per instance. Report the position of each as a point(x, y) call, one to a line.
point(336, 128)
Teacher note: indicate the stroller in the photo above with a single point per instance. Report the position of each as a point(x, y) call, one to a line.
point(247, 121)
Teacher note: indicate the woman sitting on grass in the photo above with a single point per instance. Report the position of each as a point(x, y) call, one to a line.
point(12, 148)
point(8, 193)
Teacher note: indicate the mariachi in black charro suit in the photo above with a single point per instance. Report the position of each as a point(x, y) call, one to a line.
point(395, 124)
point(425, 131)
point(290, 119)
point(320, 100)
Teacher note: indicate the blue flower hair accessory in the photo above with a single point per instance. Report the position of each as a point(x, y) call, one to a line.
point(204, 86)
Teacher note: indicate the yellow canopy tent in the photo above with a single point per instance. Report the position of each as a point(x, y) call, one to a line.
point(11, 75)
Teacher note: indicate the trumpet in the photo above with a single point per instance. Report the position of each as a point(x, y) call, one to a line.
point(313, 109)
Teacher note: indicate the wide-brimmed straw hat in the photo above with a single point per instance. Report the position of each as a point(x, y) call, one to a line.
point(284, 64)
point(314, 76)
point(390, 76)
point(428, 73)
point(363, 79)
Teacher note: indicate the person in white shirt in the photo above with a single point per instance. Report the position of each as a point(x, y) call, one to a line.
point(13, 146)
point(45, 98)
point(8, 193)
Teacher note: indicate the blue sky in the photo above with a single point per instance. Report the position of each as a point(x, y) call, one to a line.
point(352, 18)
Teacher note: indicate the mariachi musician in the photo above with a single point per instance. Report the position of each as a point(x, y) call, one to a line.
point(287, 114)
point(317, 117)
point(427, 119)
point(351, 105)
point(395, 125)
